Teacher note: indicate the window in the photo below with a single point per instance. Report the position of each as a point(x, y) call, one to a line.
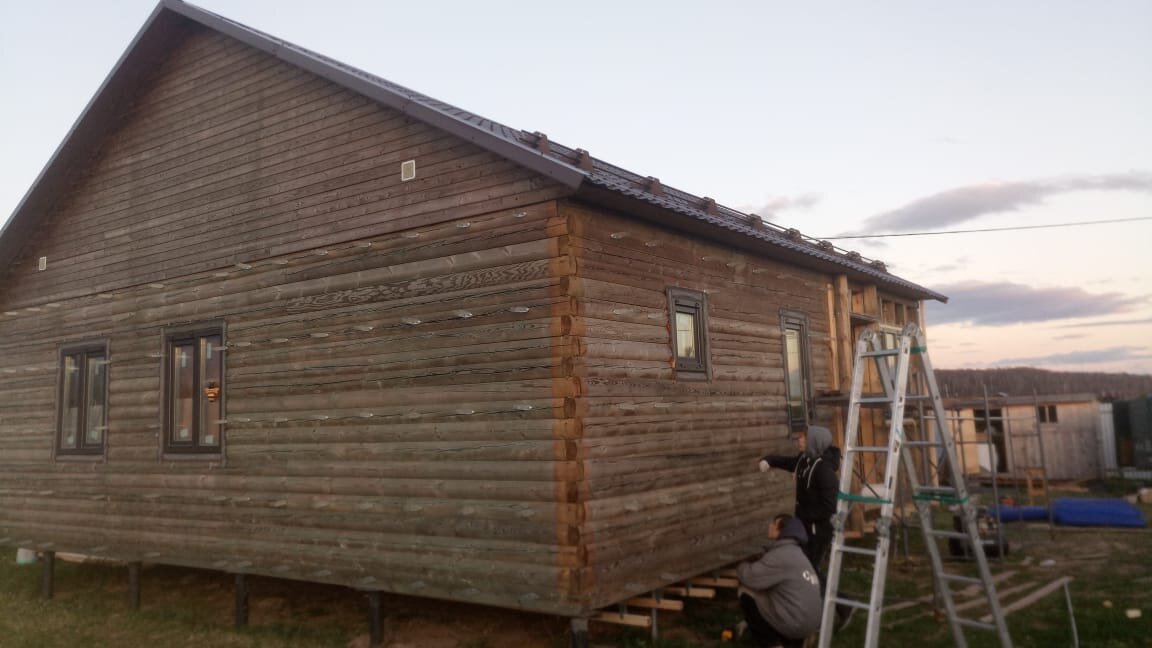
point(83, 413)
point(194, 391)
point(689, 322)
point(796, 368)
point(1046, 413)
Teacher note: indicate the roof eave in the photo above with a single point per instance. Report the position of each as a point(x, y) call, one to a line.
point(757, 240)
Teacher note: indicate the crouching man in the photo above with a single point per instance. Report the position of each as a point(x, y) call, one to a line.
point(780, 592)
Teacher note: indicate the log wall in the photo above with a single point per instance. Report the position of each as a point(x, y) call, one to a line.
point(395, 351)
point(670, 485)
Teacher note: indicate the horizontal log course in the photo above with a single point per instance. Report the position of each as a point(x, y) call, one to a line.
point(523, 586)
point(218, 487)
point(476, 471)
point(672, 419)
point(347, 520)
point(390, 451)
point(283, 270)
point(401, 399)
point(338, 535)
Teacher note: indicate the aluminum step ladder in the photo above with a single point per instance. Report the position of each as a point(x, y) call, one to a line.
point(893, 368)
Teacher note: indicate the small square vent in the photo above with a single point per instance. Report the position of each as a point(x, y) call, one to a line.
point(408, 170)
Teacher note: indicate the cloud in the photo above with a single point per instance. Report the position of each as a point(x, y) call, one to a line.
point(962, 204)
point(778, 204)
point(1096, 356)
point(1002, 303)
point(1131, 322)
point(1070, 336)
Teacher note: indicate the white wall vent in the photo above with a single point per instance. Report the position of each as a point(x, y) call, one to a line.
point(42, 265)
point(407, 170)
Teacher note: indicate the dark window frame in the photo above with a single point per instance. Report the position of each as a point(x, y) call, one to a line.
point(195, 448)
point(791, 320)
point(1047, 414)
point(695, 303)
point(86, 351)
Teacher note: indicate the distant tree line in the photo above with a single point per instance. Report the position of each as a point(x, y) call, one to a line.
point(1021, 381)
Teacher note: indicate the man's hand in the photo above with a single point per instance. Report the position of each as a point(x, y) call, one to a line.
point(764, 465)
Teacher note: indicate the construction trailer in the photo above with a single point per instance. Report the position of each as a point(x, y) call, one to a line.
point(268, 314)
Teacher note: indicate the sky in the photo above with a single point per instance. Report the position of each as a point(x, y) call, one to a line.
point(838, 119)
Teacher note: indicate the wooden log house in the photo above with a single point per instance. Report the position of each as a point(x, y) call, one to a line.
point(268, 314)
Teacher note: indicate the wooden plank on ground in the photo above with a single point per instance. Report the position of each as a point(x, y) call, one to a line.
point(691, 592)
point(705, 581)
point(1032, 598)
point(648, 602)
point(634, 620)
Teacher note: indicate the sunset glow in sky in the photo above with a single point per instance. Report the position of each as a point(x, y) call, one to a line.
point(838, 119)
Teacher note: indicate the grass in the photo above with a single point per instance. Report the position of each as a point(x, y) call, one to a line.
point(1111, 571)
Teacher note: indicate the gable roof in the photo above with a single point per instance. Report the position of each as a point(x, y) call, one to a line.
point(588, 177)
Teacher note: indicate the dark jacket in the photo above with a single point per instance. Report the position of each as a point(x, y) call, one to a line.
point(784, 584)
point(816, 481)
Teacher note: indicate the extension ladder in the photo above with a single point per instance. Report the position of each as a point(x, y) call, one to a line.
point(893, 367)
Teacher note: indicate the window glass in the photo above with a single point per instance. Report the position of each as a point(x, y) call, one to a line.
point(210, 390)
point(686, 335)
point(96, 390)
point(796, 378)
point(70, 403)
point(183, 384)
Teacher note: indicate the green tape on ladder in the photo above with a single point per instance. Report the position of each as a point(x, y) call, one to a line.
point(919, 349)
point(943, 499)
point(849, 497)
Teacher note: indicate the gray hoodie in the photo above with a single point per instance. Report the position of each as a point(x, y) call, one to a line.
point(784, 584)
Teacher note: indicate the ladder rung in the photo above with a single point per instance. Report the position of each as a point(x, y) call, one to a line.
point(947, 534)
point(861, 551)
point(972, 623)
point(860, 605)
point(943, 499)
point(865, 499)
point(961, 579)
point(880, 353)
point(936, 490)
point(872, 400)
point(926, 444)
point(868, 449)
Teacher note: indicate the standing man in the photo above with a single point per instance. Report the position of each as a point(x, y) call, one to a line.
point(816, 487)
point(780, 592)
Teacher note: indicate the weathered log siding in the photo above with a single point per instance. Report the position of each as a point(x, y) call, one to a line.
point(395, 380)
point(670, 482)
point(392, 420)
point(230, 155)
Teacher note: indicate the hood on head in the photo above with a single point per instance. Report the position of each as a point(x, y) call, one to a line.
point(794, 529)
point(819, 440)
